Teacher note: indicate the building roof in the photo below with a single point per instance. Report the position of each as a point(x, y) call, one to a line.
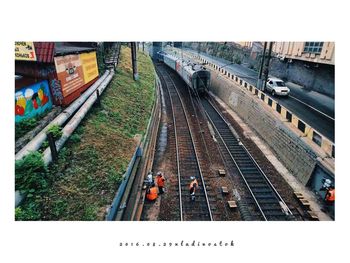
point(46, 51)
point(63, 50)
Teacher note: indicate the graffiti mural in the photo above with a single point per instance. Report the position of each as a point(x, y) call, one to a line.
point(56, 90)
point(32, 100)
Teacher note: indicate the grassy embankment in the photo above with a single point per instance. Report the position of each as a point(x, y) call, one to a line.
point(82, 184)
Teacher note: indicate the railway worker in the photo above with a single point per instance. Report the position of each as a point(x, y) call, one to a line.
point(160, 182)
point(193, 187)
point(330, 199)
point(149, 179)
point(326, 184)
point(152, 193)
point(330, 196)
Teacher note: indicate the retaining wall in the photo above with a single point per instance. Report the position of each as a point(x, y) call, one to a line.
point(284, 132)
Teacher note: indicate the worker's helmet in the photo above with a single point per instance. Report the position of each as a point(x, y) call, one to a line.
point(192, 177)
point(159, 173)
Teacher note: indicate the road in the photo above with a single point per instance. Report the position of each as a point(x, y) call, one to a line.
point(314, 108)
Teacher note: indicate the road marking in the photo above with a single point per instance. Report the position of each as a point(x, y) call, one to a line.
point(312, 108)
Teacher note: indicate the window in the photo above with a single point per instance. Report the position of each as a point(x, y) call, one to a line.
point(280, 84)
point(313, 47)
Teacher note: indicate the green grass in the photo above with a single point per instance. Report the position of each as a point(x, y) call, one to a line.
point(92, 163)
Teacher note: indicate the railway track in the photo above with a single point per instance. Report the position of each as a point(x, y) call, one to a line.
point(187, 163)
point(269, 205)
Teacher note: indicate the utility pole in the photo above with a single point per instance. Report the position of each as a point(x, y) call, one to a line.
point(266, 72)
point(134, 61)
point(259, 84)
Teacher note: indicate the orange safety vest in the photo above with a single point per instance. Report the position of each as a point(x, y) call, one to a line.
point(152, 194)
point(193, 182)
point(331, 195)
point(160, 181)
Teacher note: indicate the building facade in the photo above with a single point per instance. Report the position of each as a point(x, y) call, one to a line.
point(316, 52)
point(246, 44)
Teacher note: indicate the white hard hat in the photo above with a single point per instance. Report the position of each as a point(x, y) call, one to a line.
point(192, 177)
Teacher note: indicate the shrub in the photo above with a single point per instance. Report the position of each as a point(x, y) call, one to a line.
point(30, 212)
point(55, 130)
point(237, 60)
point(45, 144)
point(31, 174)
point(24, 126)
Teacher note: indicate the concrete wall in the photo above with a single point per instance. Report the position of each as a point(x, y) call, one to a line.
point(320, 78)
point(295, 154)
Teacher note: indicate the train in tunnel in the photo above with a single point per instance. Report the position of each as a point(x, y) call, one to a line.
point(196, 76)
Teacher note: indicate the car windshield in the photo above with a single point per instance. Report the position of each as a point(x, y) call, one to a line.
point(280, 84)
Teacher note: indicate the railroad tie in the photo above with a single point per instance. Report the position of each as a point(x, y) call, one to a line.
point(224, 190)
point(232, 204)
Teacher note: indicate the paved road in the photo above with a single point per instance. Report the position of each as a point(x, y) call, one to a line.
point(314, 108)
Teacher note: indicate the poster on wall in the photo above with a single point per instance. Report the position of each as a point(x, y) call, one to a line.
point(32, 101)
point(25, 51)
point(90, 68)
point(70, 73)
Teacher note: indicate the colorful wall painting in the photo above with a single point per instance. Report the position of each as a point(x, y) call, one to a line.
point(32, 100)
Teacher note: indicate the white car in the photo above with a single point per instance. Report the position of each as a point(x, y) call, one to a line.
point(277, 87)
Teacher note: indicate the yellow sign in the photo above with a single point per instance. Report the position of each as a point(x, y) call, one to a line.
point(25, 51)
point(89, 64)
